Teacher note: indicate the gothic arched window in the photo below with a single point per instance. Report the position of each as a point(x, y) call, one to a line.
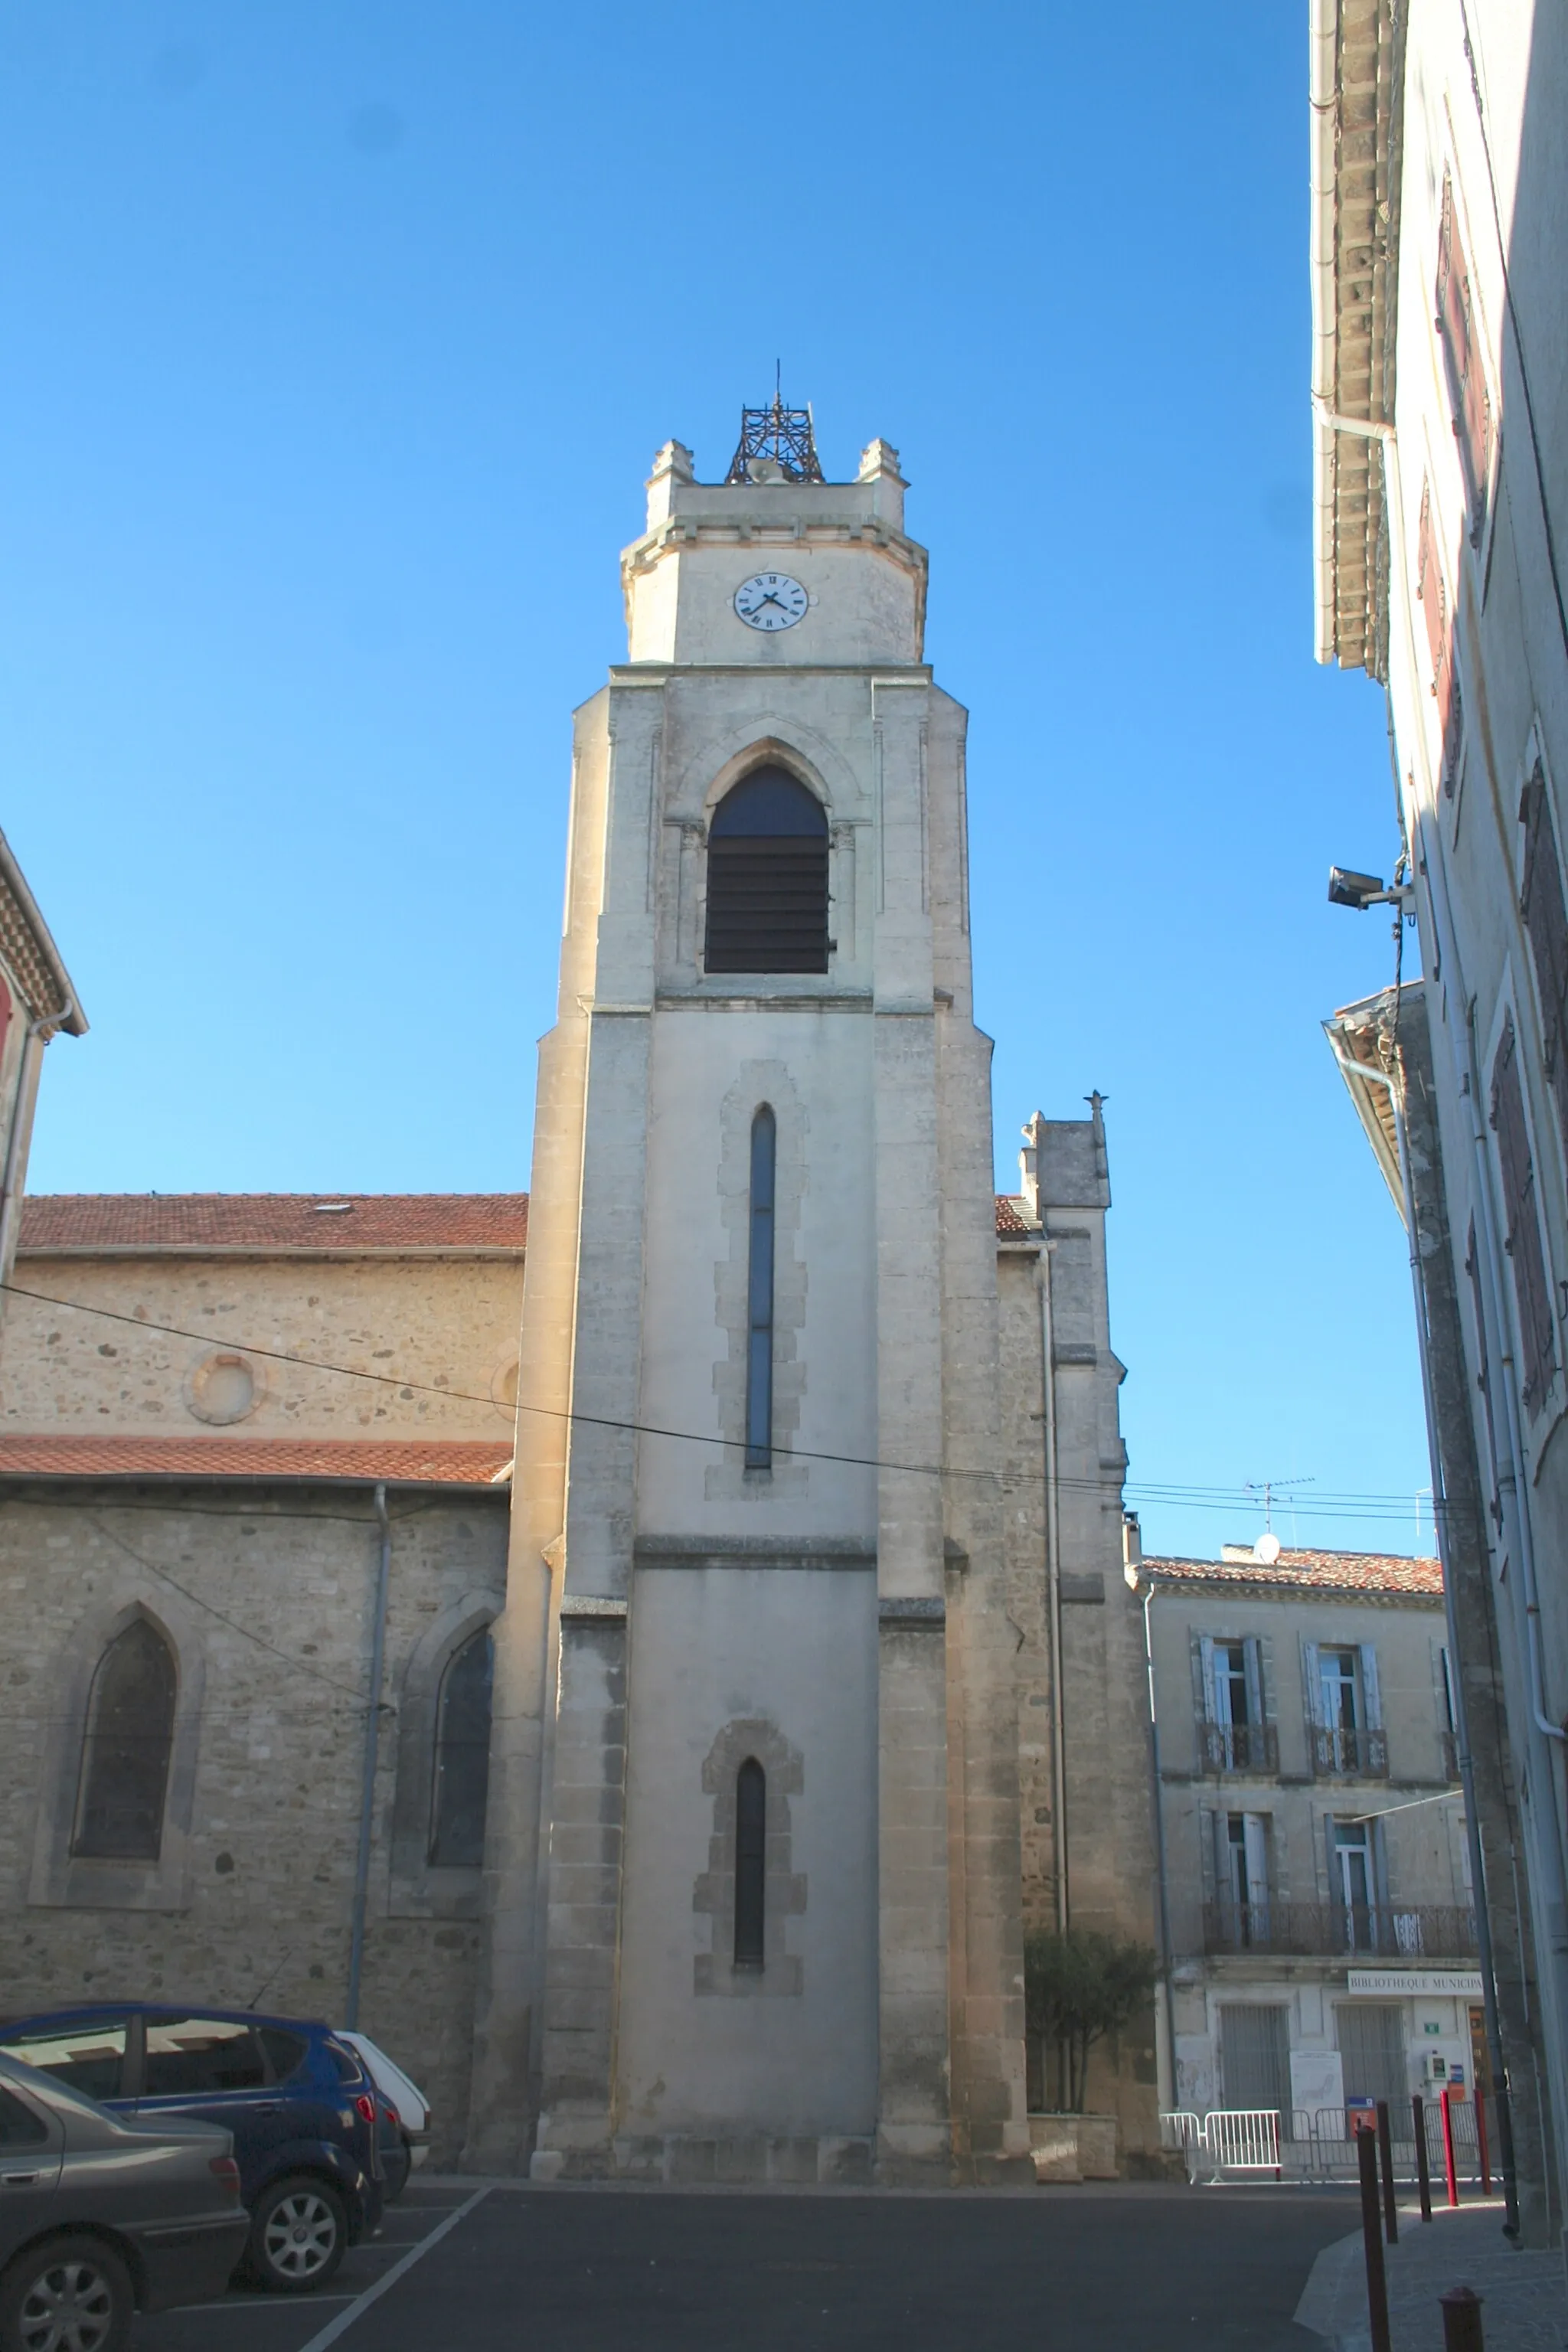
point(125, 1755)
point(767, 877)
point(750, 1863)
point(462, 1780)
point(760, 1294)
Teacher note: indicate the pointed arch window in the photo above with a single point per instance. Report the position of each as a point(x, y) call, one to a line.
point(125, 1755)
point(462, 1780)
point(750, 1863)
point(760, 1293)
point(767, 877)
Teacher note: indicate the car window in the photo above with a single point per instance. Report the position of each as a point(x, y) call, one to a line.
point(190, 2055)
point(90, 2056)
point(345, 2064)
point(284, 2051)
point(19, 2127)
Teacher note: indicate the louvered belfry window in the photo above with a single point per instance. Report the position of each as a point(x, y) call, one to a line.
point(767, 877)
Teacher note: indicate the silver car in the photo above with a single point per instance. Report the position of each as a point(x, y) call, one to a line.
point(99, 2219)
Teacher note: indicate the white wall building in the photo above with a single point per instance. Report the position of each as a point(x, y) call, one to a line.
point(1440, 390)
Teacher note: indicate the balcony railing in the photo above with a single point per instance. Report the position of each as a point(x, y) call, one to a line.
point(1444, 1931)
point(1240, 1747)
point(1343, 1754)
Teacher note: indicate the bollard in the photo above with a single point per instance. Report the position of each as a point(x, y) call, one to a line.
point(1482, 2152)
point(1449, 2172)
point(1461, 2308)
point(1386, 2157)
point(1423, 2169)
point(1371, 2242)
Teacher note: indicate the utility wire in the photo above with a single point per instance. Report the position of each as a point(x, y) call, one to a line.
point(1167, 1492)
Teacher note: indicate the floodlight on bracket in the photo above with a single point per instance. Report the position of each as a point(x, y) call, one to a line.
point(1349, 888)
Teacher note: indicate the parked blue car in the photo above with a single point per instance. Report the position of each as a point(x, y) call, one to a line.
point(299, 2103)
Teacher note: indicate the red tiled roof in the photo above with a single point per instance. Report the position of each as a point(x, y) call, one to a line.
point(265, 1223)
point(1305, 1571)
point(434, 1462)
point(1010, 1225)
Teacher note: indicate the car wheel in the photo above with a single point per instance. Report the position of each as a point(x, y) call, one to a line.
point(69, 2295)
point(297, 2233)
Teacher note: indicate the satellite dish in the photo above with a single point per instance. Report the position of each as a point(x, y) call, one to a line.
point(1267, 1549)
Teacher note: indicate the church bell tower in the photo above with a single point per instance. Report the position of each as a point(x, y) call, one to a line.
point(753, 1879)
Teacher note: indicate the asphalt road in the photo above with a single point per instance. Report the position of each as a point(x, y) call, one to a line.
point(1117, 2270)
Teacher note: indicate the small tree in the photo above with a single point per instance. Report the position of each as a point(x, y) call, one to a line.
point(1078, 1988)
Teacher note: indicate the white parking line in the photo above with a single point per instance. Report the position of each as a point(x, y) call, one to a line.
point(345, 2319)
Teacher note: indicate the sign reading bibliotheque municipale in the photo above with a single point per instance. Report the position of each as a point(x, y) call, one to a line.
point(1460, 1984)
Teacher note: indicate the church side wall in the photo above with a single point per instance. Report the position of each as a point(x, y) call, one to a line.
point(267, 1599)
point(421, 1326)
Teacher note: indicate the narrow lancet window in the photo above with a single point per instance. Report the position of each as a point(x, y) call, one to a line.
point(750, 1862)
point(760, 1295)
point(125, 1756)
point(462, 1756)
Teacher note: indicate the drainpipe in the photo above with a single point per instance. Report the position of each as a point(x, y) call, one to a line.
point(1135, 1578)
point(26, 1081)
point(372, 1746)
point(1054, 1584)
point(1466, 1770)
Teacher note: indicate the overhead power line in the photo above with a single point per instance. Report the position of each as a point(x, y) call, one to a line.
point(1165, 1494)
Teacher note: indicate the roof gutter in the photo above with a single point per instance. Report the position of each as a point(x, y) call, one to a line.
point(1322, 99)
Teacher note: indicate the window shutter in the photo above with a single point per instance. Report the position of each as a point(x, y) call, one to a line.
point(1205, 1664)
point(1309, 1672)
point(1429, 589)
point(1523, 1241)
point(1372, 1697)
point(1546, 921)
point(1254, 1679)
point(1458, 332)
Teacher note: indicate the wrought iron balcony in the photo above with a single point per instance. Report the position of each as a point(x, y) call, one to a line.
point(1339, 1753)
point(1239, 1746)
point(1440, 1931)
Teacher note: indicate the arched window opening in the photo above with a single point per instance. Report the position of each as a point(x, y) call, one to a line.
point(125, 1755)
point(759, 1295)
point(462, 1774)
point(750, 1862)
point(767, 877)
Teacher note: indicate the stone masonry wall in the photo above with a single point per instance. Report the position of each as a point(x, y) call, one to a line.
point(269, 1598)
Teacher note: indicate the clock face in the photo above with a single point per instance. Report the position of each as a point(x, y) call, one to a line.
point(771, 600)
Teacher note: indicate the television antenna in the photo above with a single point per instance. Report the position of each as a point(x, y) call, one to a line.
point(1269, 1488)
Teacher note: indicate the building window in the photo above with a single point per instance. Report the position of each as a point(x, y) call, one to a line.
point(767, 877)
point(1450, 1724)
point(750, 1863)
point(461, 1778)
point(1347, 1717)
point(1254, 2054)
point(1537, 1327)
point(1545, 916)
point(1236, 1738)
point(1353, 1888)
point(125, 1755)
point(1457, 333)
point(760, 1294)
point(1244, 1880)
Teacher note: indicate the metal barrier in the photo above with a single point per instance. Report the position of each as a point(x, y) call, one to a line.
point(1311, 2146)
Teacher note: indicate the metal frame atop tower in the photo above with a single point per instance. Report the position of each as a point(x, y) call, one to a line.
point(775, 437)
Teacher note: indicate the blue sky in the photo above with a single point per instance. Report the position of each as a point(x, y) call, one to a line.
point(340, 336)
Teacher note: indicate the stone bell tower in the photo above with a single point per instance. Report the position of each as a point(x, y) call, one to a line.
point(753, 1868)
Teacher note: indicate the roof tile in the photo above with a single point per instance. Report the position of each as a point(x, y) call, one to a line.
point(334, 1223)
point(432, 1462)
point(1305, 1571)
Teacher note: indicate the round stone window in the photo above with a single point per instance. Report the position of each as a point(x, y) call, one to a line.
point(222, 1389)
point(503, 1384)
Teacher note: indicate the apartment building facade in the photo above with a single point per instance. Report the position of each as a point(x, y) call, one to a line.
point(1315, 1877)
